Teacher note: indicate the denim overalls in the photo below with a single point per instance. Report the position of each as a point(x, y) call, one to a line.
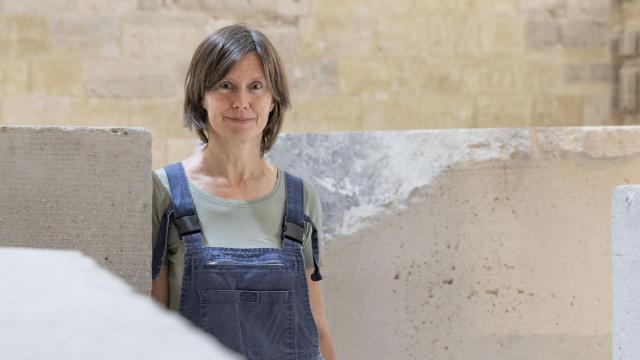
point(255, 301)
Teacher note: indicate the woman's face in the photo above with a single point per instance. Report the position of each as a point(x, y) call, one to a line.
point(238, 106)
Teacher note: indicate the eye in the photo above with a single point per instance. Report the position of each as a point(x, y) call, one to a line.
point(225, 85)
point(256, 86)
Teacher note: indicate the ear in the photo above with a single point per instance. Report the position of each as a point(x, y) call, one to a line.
point(272, 106)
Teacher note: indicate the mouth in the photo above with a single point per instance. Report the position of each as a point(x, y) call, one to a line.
point(239, 120)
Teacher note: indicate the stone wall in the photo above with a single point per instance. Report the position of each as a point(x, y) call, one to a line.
point(353, 65)
point(469, 244)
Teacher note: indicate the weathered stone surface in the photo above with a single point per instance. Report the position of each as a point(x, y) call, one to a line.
point(87, 189)
point(162, 37)
point(98, 36)
point(58, 78)
point(625, 232)
point(468, 244)
point(585, 34)
point(142, 78)
point(14, 77)
point(31, 35)
point(39, 7)
point(542, 34)
point(77, 311)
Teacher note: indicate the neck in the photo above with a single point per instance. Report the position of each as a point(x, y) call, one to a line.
point(237, 163)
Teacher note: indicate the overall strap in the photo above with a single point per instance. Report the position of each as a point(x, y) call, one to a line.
point(160, 249)
point(294, 218)
point(184, 216)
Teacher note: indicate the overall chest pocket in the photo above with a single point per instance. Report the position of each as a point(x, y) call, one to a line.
point(258, 324)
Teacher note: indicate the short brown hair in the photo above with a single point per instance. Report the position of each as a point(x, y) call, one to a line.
point(214, 58)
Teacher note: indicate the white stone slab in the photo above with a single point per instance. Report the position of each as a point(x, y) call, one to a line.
point(626, 273)
point(79, 188)
point(60, 305)
point(468, 244)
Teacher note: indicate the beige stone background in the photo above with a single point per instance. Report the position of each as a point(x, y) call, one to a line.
point(353, 64)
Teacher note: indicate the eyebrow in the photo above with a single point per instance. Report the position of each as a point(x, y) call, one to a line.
point(261, 78)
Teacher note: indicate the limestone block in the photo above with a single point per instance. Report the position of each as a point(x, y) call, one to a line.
point(150, 4)
point(402, 37)
point(141, 78)
point(286, 39)
point(625, 232)
point(76, 310)
point(39, 7)
point(602, 72)
point(31, 35)
point(57, 77)
point(318, 78)
point(585, 34)
point(542, 34)
point(367, 77)
point(14, 77)
point(102, 112)
point(5, 36)
point(448, 36)
point(179, 149)
point(468, 244)
point(543, 9)
point(437, 77)
point(627, 44)
point(503, 35)
point(107, 6)
point(382, 112)
point(501, 8)
point(565, 110)
point(161, 37)
point(598, 109)
point(342, 35)
point(629, 88)
point(326, 113)
point(38, 110)
point(447, 8)
point(590, 9)
point(87, 189)
point(504, 111)
point(444, 111)
point(97, 36)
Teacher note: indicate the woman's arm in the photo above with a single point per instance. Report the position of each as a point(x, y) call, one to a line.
point(317, 309)
point(160, 287)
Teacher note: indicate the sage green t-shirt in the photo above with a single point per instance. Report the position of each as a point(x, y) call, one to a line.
point(230, 223)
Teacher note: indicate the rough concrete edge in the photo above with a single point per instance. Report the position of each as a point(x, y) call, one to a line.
point(65, 128)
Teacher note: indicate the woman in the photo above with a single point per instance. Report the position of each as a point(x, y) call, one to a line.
point(235, 242)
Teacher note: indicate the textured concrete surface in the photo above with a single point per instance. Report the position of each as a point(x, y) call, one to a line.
point(58, 304)
point(87, 189)
point(468, 244)
point(626, 267)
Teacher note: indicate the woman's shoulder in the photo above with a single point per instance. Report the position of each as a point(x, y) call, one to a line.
point(311, 196)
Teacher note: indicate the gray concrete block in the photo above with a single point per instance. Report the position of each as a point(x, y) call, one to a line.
point(468, 244)
point(625, 234)
point(58, 304)
point(87, 189)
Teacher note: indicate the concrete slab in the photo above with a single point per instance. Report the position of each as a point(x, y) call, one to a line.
point(79, 188)
point(468, 244)
point(59, 304)
point(626, 267)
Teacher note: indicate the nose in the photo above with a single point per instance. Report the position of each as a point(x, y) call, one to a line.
point(241, 100)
